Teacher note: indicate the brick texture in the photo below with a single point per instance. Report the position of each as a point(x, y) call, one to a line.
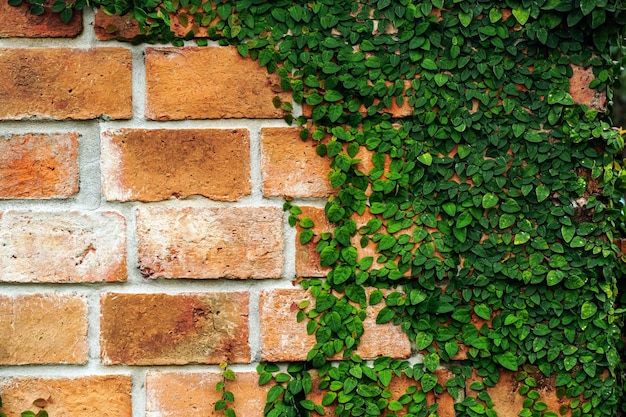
point(162, 329)
point(61, 83)
point(208, 83)
point(157, 164)
point(235, 242)
point(283, 339)
point(18, 22)
point(104, 396)
point(580, 91)
point(43, 328)
point(108, 27)
point(291, 167)
point(62, 247)
point(39, 166)
point(180, 394)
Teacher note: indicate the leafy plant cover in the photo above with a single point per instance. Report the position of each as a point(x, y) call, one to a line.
point(491, 202)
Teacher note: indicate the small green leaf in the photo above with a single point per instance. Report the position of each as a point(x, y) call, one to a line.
point(429, 64)
point(554, 277)
point(507, 360)
point(423, 340)
point(426, 159)
point(542, 192)
point(482, 311)
point(489, 200)
point(587, 310)
point(385, 315)
point(463, 220)
point(521, 238)
point(521, 14)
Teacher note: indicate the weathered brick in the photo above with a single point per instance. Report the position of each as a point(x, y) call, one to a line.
point(157, 164)
point(109, 27)
point(104, 396)
point(208, 83)
point(229, 242)
point(62, 83)
point(307, 259)
point(291, 167)
point(181, 394)
point(580, 91)
point(509, 402)
point(39, 166)
point(18, 22)
point(62, 247)
point(283, 339)
point(43, 328)
point(162, 329)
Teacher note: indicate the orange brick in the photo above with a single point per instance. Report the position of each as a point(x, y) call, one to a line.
point(290, 166)
point(61, 83)
point(283, 339)
point(307, 259)
point(18, 22)
point(229, 242)
point(62, 247)
point(108, 27)
point(181, 394)
point(162, 329)
point(580, 91)
point(508, 401)
point(39, 166)
point(104, 396)
point(43, 328)
point(208, 83)
point(157, 164)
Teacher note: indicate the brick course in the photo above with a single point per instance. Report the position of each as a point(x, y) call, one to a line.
point(39, 166)
point(157, 164)
point(181, 84)
point(62, 247)
point(43, 328)
point(106, 396)
point(210, 243)
point(65, 83)
point(162, 329)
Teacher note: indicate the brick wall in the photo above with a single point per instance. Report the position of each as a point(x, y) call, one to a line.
point(141, 224)
point(142, 236)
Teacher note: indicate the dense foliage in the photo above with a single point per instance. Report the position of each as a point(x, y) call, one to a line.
point(491, 204)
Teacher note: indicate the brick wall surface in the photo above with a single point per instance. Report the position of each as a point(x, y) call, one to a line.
point(141, 225)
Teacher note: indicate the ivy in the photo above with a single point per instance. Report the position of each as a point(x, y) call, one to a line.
point(493, 199)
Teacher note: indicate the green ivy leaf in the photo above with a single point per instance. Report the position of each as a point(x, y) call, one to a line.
point(507, 360)
point(521, 15)
point(588, 310)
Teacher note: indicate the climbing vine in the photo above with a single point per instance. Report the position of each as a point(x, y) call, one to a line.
point(489, 194)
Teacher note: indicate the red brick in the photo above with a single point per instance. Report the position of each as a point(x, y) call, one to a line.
point(283, 339)
point(18, 22)
point(181, 394)
point(208, 83)
point(162, 329)
point(103, 396)
point(291, 167)
point(62, 247)
point(229, 242)
point(157, 164)
point(43, 328)
point(39, 166)
point(61, 83)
